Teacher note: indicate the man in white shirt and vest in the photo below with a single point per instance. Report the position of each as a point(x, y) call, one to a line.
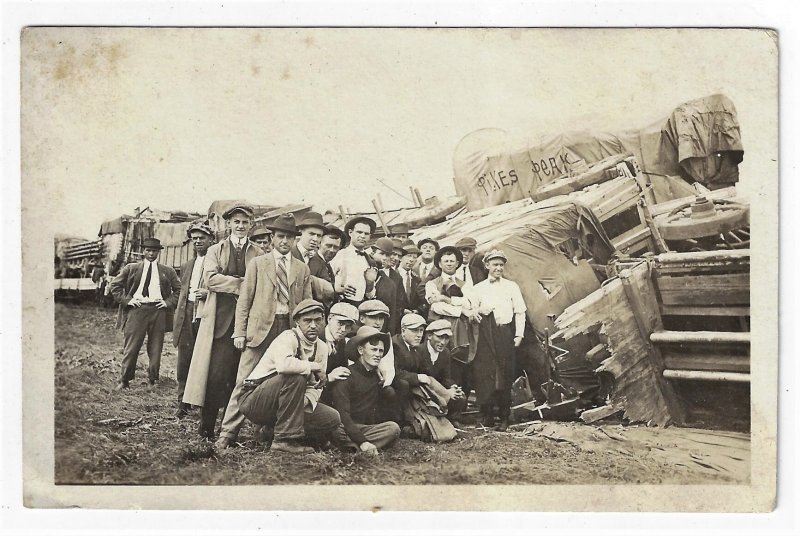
point(352, 268)
point(191, 297)
point(147, 293)
point(273, 285)
point(502, 328)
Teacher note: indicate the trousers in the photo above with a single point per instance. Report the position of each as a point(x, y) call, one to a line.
point(144, 321)
point(233, 419)
point(185, 349)
point(381, 435)
point(221, 379)
point(279, 401)
point(392, 400)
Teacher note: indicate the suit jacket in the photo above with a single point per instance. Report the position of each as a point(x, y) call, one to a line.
point(322, 281)
point(124, 286)
point(386, 291)
point(183, 301)
point(402, 297)
point(258, 296)
point(439, 370)
point(407, 361)
point(412, 299)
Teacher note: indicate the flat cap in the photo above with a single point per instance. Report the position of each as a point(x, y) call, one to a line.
point(440, 326)
point(495, 254)
point(201, 226)
point(467, 242)
point(373, 307)
point(239, 207)
point(412, 320)
point(306, 306)
point(345, 311)
point(428, 241)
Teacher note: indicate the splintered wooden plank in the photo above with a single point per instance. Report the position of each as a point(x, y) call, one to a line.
point(639, 387)
point(715, 289)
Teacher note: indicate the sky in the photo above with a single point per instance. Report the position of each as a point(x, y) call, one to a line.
point(114, 119)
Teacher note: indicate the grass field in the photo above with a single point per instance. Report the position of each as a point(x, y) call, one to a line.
point(131, 437)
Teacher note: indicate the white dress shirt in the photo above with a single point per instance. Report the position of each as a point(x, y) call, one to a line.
point(155, 284)
point(197, 274)
point(465, 275)
point(424, 269)
point(305, 253)
point(503, 297)
point(238, 242)
point(348, 268)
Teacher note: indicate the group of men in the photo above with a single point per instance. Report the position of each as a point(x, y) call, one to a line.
point(319, 335)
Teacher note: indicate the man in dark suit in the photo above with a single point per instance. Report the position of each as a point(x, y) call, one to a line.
point(311, 230)
point(320, 267)
point(386, 290)
point(147, 293)
point(192, 295)
point(469, 272)
point(437, 363)
point(410, 279)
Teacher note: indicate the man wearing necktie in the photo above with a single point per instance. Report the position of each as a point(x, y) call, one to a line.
point(215, 360)
point(469, 273)
point(273, 285)
point(322, 278)
point(312, 231)
point(410, 280)
point(147, 293)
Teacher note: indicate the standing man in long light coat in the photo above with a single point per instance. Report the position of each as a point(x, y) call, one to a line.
point(215, 359)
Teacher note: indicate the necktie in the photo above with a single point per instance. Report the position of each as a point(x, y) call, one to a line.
point(464, 273)
point(146, 290)
point(408, 282)
point(283, 281)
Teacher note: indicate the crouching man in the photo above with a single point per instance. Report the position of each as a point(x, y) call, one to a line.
point(356, 397)
point(283, 390)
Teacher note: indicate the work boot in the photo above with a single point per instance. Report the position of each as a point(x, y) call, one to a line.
point(292, 446)
point(182, 411)
point(223, 443)
point(264, 434)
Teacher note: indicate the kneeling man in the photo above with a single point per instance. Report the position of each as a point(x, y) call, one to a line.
point(283, 390)
point(356, 398)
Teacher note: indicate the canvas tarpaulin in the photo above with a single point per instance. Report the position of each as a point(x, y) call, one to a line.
point(699, 141)
point(171, 234)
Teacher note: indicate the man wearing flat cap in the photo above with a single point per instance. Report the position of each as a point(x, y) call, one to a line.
point(502, 328)
point(262, 237)
point(147, 293)
point(342, 320)
point(410, 279)
point(356, 397)
point(470, 273)
point(273, 286)
point(283, 391)
point(352, 267)
point(215, 359)
point(191, 298)
point(320, 267)
point(385, 288)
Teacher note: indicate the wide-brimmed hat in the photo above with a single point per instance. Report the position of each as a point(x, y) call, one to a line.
point(152, 243)
point(495, 254)
point(311, 219)
point(384, 244)
point(399, 228)
point(360, 219)
point(367, 333)
point(285, 223)
point(427, 241)
point(440, 326)
point(332, 230)
point(447, 250)
point(344, 311)
point(306, 306)
point(467, 242)
point(239, 207)
point(201, 226)
point(373, 308)
point(259, 230)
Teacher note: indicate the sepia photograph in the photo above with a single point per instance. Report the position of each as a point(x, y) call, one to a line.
point(401, 257)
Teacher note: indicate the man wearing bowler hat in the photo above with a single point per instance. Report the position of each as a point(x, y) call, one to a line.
point(215, 359)
point(273, 285)
point(190, 301)
point(147, 293)
point(352, 267)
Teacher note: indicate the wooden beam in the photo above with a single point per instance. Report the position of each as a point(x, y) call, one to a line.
point(699, 310)
point(413, 196)
point(700, 337)
point(705, 375)
point(380, 218)
point(713, 289)
point(714, 362)
point(419, 197)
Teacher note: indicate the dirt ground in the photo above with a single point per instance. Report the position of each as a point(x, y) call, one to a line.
point(131, 437)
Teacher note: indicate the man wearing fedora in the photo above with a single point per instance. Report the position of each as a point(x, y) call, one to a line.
point(320, 266)
point(262, 237)
point(356, 397)
point(190, 300)
point(352, 268)
point(283, 391)
point(273, 285)
point(311, 229)
point(215, 359)
point(147, 293)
